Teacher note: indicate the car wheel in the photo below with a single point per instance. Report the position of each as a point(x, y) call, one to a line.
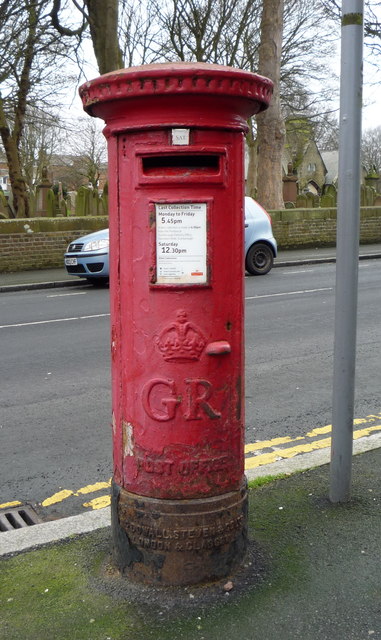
point(259, 259)
point(98, 282)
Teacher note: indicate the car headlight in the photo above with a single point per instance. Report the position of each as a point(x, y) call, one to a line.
point(94, 245)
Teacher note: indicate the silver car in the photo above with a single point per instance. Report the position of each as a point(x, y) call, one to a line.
point(88, 257)
point(260, 244)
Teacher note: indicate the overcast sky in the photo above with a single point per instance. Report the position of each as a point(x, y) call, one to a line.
point(371, 112)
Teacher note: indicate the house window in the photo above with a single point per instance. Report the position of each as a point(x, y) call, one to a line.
point(311, 167)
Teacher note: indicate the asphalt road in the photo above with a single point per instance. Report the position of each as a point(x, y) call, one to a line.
point(289, 349)
point(55, 436)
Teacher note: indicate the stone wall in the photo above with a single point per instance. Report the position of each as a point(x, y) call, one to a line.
point(38, 243)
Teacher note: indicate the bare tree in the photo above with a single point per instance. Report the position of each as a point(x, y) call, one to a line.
point(326, 131)
point(13, 101)
point(87, 157)
point(271, 130)
point(217, 31)
point(101, 17)
point(372, 20)
point(139, 32)
point(372, 27)
point(38, 143)
point(28, 53)
point(371, 150)
point(308, 44)
point(228, 32)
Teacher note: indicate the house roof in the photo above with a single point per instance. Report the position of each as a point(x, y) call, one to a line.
point(331, 161)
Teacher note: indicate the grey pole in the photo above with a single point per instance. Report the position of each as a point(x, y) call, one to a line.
point(348, 226)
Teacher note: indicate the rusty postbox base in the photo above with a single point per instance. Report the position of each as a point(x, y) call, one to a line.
point(178, 542)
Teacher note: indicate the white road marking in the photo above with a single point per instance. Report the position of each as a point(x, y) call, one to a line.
point(104, 315)
point(63, 295)
point(29, 324)
point(289, 273)
point(289, 293)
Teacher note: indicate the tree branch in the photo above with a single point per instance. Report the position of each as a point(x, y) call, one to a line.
point(65, 31)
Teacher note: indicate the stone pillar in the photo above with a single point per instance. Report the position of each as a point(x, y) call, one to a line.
point(290, 188)
point(42, 195)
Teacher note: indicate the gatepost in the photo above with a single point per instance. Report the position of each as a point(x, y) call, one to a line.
point(176, 183)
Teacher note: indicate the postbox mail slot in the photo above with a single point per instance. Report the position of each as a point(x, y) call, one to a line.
point(187, 167)
point(179, 164)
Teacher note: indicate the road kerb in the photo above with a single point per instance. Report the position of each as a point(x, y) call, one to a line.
point(311, 459)
point(49, 532)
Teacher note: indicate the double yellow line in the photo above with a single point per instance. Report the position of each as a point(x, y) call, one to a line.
point(255, 456)
point(311, 441)
point(95, 503)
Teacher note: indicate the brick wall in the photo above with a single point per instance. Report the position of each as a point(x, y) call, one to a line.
point(45, 243)
point(295, 228)
point(39, 243)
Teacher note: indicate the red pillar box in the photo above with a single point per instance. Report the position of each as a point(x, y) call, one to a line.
point(176, 183)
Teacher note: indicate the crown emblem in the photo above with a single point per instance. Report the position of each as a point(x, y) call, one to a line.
point(181, 341)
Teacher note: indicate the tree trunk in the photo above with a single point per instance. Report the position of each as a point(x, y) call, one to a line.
point(271, 130)
point(20, 206)
point(252, 168)
point(12, 140)
point(103, 22)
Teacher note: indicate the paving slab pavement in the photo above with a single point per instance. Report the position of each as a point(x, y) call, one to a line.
point(37, 279)
point(49, 278)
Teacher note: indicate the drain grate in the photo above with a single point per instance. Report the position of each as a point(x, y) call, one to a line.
point(18, 518)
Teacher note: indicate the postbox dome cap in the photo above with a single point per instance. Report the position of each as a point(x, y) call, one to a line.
point(185, 83)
